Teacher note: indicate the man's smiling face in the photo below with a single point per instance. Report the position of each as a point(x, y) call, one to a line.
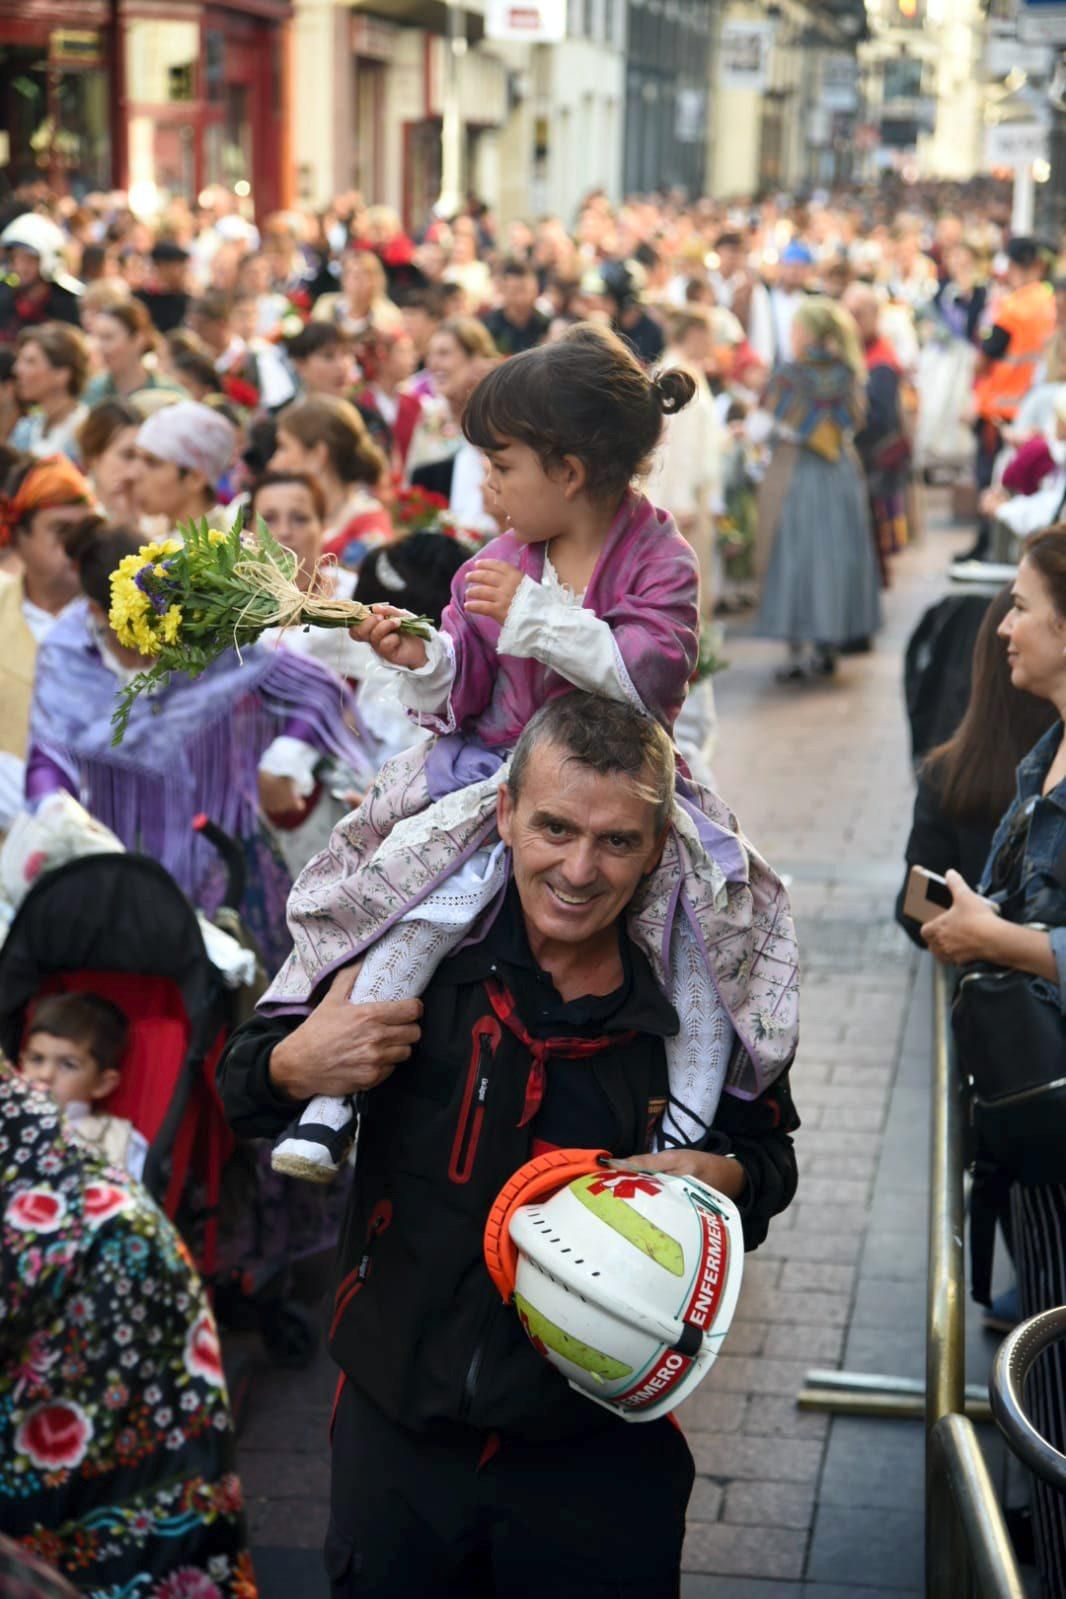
point(581, 841)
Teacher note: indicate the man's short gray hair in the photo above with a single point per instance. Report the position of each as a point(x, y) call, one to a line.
point(607, 736)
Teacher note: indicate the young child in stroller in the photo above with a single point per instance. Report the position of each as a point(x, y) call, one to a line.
point(74, 1049)
point(114, 930)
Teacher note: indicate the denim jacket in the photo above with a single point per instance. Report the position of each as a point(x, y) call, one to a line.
point(1044, 862)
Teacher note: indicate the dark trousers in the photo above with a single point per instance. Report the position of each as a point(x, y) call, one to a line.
point(601, 1517)
point(989, 444)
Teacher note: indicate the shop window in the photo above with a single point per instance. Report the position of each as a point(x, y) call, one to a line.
point(53, 110)
point(161, 62)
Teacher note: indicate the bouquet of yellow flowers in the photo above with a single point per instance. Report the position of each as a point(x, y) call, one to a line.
point(185, 601)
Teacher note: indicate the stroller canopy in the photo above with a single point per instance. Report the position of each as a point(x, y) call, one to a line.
point(104, 913)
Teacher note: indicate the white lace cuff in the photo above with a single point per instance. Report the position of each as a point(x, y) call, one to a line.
point(573, 641)
point(291, 757)
point(426, 688)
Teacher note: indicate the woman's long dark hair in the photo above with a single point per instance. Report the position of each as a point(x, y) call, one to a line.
point(974, 772)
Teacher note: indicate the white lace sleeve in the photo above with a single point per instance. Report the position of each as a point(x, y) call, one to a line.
point(427, 688)
point(542, 626)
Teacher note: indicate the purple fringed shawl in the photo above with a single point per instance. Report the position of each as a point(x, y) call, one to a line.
point(195, 747)
point(645, 586)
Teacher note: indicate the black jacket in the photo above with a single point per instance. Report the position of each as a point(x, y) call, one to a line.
point(418, 1325)
point(48, 303)
point(940, 844)
point(509, 338)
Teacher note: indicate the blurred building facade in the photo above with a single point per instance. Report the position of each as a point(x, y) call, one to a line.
point(564, 136)
point(157, 96)
point(368, 100)
point(923, 77)
point(786, 99)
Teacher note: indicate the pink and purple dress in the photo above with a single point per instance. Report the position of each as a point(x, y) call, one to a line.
point(419, 868)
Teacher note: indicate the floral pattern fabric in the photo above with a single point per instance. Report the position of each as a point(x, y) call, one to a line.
point(117, 1461)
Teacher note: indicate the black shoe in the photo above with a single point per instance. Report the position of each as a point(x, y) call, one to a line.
point(795, 672)
point(978, 551)
point(823, 663)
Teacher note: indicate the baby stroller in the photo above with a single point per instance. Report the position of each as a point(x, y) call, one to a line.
point(118, 924)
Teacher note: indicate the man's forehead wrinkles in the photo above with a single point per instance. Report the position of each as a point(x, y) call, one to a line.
point(582, 821)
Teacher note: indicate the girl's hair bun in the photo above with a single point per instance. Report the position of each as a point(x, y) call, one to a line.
point(673, 390)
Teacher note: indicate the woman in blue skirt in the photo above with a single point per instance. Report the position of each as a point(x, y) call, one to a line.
point(820, 585)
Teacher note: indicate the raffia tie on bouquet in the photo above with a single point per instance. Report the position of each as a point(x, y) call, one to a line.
point(182, 605)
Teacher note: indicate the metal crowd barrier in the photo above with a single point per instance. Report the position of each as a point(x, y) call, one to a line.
point(967, 1547)
point(1015, 1358)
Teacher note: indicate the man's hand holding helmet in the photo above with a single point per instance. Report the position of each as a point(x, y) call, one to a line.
point(722, 1172)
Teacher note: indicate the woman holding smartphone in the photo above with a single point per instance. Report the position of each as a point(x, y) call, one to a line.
point(967, 784)
point(1028, 863)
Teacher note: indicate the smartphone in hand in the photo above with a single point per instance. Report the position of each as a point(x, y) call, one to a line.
point(927, 895)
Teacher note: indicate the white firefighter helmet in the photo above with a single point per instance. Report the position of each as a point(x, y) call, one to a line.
point(625, 1280)
point(42, 236)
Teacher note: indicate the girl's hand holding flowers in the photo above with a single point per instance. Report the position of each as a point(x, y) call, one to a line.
point(183, 603)
point(381, 631)
point(491, 587)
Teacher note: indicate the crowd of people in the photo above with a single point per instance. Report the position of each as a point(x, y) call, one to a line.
point(569, 450)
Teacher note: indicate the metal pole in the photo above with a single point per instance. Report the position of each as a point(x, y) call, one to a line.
point(959, 1480)
point(944, 1390)
point(945, 1350)
point(450, 201)
point(1024, 204)
point(860, 1393)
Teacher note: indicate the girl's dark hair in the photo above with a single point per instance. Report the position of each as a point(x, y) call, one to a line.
point(425, 564)
point(1046, 553)
point(312, 339)
point(270, 480)
point(974, 772)
point(325, 419)
point(96, 546)
point(103, 422)
point(586, 395)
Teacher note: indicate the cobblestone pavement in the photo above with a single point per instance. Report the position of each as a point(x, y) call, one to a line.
point(788, 1503)
point(785, 1504)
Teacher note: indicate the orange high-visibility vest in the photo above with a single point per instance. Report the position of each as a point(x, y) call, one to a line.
point(1028, 315)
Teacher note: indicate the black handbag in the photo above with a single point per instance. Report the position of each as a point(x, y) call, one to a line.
point(1010, 1040)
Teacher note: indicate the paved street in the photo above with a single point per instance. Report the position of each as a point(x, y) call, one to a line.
point(786, 1504)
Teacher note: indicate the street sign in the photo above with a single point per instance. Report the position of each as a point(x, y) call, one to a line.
point(534, 21)
point(1016, 144)
point(744, 55)
point(1042, 21)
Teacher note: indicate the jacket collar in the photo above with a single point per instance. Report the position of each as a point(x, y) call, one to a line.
point(637, 1005)
point(1033, 768)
